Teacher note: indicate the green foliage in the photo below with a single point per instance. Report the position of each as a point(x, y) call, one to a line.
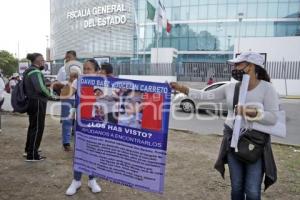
point(8, 63)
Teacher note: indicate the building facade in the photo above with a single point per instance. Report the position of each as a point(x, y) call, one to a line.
point(202, 30)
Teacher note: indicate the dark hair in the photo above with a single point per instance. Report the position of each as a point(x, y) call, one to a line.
point(107, 67)
point(262, 73)
point(98, 89)
point(72, 52)
point(95, 64)
point(32, 56)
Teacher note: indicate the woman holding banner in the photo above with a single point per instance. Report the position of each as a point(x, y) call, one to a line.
point(261, 106)
point(90, 67)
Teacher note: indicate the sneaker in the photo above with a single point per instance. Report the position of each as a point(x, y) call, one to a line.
point(75, 185)
point(67, 147)
point(93, 185)
point(40, 158)
point(25, 153)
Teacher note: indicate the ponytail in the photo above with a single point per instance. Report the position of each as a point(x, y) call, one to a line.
point(262, 74)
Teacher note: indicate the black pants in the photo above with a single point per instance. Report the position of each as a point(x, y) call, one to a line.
point(37, 114)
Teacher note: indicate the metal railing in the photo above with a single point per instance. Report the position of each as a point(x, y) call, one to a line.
point(199, 71)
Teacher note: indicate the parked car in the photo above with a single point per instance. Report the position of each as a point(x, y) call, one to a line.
point(188, 104)
point(49, 79)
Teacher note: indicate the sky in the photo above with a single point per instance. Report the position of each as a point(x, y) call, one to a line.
point(26, 22)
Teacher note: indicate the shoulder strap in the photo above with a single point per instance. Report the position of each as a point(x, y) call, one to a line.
point(236, 94)
point(33, 71)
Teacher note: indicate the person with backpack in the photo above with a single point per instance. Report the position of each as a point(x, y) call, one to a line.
point(37, 94)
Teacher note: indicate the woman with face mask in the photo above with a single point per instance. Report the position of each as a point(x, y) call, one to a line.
point(246, 179)
point(37, 94)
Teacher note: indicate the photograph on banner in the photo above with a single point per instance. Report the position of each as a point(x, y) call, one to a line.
point(121, 131)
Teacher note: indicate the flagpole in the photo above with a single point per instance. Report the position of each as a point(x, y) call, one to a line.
point(145, 20)
point(157, 33)
point(137, 33)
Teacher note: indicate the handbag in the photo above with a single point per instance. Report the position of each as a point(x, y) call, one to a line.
point(251, 143)
point(251, 146)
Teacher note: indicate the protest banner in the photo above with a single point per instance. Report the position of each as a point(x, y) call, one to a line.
point(122, 131)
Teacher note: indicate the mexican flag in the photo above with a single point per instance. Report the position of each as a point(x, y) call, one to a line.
point(150, 11)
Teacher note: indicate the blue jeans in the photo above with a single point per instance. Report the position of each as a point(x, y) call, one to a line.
point(245, 179)
point(77, 176)
point(67, 123)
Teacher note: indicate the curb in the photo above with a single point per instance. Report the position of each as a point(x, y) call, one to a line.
point(219, 135)
point(291, 97)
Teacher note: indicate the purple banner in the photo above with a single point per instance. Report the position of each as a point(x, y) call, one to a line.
point(121, 131)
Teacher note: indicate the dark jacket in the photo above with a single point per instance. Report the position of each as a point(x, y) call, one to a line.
point(35, 87)
point(269, 165)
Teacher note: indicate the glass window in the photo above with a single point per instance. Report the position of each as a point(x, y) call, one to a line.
point(166, 42)
point(212, 11)
point(176, 3)
point(193, 29)
point(194, 13)
point(184, 30)
point(169, 13)
point(183, 44)
point(175, 30)
point(222, 11)
point(168, 3)
point(283, 10)
point(184, 13)
point(242, 8)
point(203, 1)
point(150, 31)
point(229, 42)
point(261, 29)
point(212, 29)
point(272, 10)
point(270, 29)
point(243, 30)
point(184, 2)
point(292, 28)
point(175, 43)
point(251, 29)
point(141, 14)
point(194, 2)
point(202, 12)
point(176, 13)
point(251, 11)
point(202, 27)
point(212, 1)
point(262, 10)
point(280, 29)
point(231, 29)
point(232, 11)
point(294, 8)
point(193, 46)
point(142, 5)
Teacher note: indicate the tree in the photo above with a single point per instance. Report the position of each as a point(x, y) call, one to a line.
point(8, 63)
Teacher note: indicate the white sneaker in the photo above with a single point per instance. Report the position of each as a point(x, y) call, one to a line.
point(75, 185)
point(93, 185)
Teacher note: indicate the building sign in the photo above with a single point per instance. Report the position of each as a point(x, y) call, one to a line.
point(100, 16)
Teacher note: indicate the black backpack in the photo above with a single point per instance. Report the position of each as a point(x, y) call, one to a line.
point(19, 100)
